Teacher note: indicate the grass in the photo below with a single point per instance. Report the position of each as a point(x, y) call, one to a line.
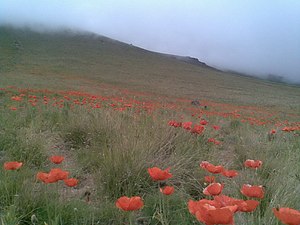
point(109, 152)
point(83, 61)
point(101, 112)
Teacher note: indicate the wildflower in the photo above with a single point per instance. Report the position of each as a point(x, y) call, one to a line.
point(130, 204)
point(192, 206)
point(253, 163)
point(214, 141)
point(173, 123)
point(203, 122)
point(57, 159)
point(243, 206)
point(195, 206)
point(12, 165)
point(158, 175)
point(213, 189)
point(287, 129)
point(198, 129)
point(187, 125)
point(211, 168)
point(71, 182)
point(211, 215)
point(273, 131)
point(230, 173)
point(59, 174)
point(204, 164)
point(211, 140)
point(16, 98)
point(252, 191)
point(225, 200)
point(167, 190)
point(67, 98)
point(42, 176)
point(247, 206)
point(216, 127)
point(287, 215)
point(53, 176)
point(209, 179)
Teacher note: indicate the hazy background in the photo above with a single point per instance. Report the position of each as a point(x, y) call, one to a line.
point(257, 37)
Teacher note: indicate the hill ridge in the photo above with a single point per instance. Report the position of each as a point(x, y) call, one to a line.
point(80, 59)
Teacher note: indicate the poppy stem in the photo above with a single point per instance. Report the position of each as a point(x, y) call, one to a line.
point(162, 209)
point(46, 199)
point(131, 218)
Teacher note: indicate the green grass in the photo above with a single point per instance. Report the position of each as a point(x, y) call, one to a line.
point(84, 61)
point(110, 151)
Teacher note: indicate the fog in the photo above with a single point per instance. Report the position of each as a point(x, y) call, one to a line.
point(250, 36)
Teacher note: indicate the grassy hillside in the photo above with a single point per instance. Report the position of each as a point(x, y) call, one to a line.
point(82, 59)
point(113, 111)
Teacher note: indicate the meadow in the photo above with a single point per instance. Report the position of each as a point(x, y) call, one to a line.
point(112, 116)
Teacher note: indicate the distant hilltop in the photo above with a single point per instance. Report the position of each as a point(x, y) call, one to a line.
point(190, 60)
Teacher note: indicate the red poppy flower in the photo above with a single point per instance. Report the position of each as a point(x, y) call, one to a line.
point(187, 125)
point(173, 123)
point(211, 215)
point(203, 122)
point(71, 182)
point(210, 140)
point(16, 98)
point(287, 215)
point(253, 163)
point(230, 173)
point(195, 206)
point(216, 127)
point(42, 176)
point(198, 129)
point(53, 176)
point(158, 174)
point(57, 159)
point(48, 177)
point(130, 204)
point(213, 189)
point(224, 200)
point(273, 131)
point(287, 129)
point(211, 168)
point(247, 206)
point(209, 179)
point(204, 164)
point(167, 190)
point(59, 173)
point(12, 165)
point(214, 141)
point(192, 206)
point(252, 191)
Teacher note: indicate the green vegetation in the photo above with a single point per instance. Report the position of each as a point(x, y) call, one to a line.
point(83, 61)
point(109, 148)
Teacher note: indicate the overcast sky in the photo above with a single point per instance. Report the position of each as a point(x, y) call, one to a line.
point(252, 36)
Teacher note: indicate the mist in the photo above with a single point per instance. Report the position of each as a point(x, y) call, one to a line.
point(255, 37)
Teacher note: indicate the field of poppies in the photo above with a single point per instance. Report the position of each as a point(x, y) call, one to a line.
point(127, 157)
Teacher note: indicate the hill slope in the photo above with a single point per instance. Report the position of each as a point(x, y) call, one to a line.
point(67, 59)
